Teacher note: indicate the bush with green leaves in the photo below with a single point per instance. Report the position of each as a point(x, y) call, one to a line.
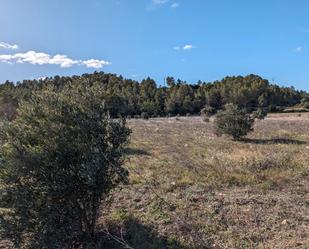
point(208, 111)
point(260, 113)
point(233, 121)
point(144, 115)
point(58, 159)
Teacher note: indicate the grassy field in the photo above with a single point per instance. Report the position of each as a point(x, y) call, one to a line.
point(191, 189)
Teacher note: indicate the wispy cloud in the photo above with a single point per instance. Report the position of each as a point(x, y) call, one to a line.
point(93, 63)
point(299, 49)
point(188, 47)
point(185, 47)
point(175, 5)
point(39, 58)
point(159, 2)
point(8, 46)
point(154, 4)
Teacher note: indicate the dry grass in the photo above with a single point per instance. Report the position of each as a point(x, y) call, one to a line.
point(191, 189)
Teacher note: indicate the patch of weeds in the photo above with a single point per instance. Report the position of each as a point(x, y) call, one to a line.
point(185, 181)
point(268, 185)
point(120, 215)
point(269, 161)
point(156, 210)
point(135, 179)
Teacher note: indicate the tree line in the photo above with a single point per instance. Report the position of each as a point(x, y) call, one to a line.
point(127, 97)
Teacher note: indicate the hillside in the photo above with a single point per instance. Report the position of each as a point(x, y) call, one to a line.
point(127, 97)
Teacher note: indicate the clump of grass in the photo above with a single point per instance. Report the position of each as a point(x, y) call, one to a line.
point(269, 161)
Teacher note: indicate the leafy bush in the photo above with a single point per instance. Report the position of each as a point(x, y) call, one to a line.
point(144, 115)
point(58, 158)
point(260, 113)
point(233, 121)
point(208, 111)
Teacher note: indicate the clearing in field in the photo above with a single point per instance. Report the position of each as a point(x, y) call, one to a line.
point(191, 189)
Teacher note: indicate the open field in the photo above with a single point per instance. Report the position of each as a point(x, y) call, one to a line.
point(191, 189)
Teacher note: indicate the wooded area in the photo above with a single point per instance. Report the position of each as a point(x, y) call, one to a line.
point(127, 97)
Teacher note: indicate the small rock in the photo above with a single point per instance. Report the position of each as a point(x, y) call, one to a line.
point(284, 222)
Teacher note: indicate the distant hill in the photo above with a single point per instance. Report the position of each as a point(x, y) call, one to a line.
point(129, 97)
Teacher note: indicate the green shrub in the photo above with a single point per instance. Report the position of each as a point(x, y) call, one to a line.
point(59, 157)
point(233, 121)
point(260, 113)
point(208, 111)
point(144, 115)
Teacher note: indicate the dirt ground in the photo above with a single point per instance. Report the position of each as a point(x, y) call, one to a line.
point(191, 189)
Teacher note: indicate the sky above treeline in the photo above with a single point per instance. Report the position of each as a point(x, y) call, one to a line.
point(188, 39)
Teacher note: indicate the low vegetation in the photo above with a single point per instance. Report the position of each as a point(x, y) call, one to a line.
point(189, 188)
point(70, 179)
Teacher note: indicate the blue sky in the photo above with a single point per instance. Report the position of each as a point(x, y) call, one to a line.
point(191, 40)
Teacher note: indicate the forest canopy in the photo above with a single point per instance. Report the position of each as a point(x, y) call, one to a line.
point(127, 97)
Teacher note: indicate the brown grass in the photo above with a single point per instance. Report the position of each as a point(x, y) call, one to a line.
point(191, 189)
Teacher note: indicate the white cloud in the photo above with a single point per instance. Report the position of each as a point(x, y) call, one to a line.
point(185, 47)
point(8, 46)
point(93, 63)
point(299, 49)
point(175, 5)
point(159, 2)
point(154, 4)
point(42, 78)
point(38, 58)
